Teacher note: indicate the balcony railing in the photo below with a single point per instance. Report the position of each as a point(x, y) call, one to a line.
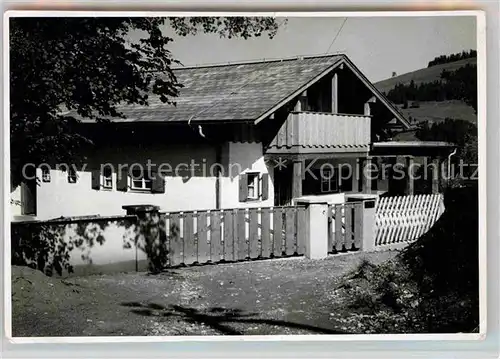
point(305, 132)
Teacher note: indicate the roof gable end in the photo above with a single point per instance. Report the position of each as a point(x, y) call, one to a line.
point(343, 61)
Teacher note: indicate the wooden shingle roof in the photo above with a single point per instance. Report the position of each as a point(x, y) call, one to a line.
point(242, 91)
point(233, 92)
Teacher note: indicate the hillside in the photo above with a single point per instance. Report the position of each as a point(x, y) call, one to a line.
point(433, 111)
point(423, 75)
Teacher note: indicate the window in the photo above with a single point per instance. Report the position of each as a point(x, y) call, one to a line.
point(253, 185)
point(45, 174)
point(328, 181)
point(72, 175)
point(140, 180)
point(107, 178)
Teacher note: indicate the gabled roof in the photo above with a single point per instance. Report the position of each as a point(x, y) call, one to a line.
point(397, 114)
point(241, 91)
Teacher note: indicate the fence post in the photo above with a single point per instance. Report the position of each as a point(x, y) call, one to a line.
point(316, 241)
point(368, 211)
point(148, 232)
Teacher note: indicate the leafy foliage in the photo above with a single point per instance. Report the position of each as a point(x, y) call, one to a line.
point(88, 66)
point(229, 27)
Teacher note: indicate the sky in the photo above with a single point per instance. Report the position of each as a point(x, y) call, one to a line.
point(377, 45)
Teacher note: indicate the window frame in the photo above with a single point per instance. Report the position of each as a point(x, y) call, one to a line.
point(143, 180)
point(255, 184)
point(104, 178)
point(72, 176)
point(45, 175)
point(333, 179)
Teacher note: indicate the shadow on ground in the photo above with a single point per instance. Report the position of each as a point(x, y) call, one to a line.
point(218, 318)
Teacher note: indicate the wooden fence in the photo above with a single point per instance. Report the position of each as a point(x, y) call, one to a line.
point(235, 234)
point(345, 227)
point(403, 219)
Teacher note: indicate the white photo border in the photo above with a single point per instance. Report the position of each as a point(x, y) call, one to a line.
point(485, 257)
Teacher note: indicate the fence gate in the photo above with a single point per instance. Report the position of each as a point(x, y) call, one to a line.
point(405, 218)
point(345, 226)
point(235, 234)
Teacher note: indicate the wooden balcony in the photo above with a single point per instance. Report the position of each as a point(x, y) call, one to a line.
point(310, 132)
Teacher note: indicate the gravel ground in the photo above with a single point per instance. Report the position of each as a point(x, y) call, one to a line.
point(282, 296)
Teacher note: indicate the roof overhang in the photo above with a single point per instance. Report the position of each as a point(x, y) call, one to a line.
point(278, 158)
point(412, 148)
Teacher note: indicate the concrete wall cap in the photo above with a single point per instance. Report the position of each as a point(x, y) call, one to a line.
point(362, 196)
point(141, 208)
point(333, 198)
point(310, 201)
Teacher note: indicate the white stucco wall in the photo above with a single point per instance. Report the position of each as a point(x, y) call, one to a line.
point(243, 158)
point(111, 251)
point(15, 202)
point(59, 198)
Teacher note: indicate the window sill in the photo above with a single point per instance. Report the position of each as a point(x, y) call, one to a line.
point(254, 200)
point(138, 190)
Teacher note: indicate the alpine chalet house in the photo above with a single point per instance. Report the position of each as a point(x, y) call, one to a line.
point(242, 135)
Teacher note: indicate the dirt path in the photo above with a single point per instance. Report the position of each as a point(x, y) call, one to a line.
point(289, 296)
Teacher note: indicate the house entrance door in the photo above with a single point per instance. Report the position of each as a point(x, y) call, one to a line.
point(283, 186)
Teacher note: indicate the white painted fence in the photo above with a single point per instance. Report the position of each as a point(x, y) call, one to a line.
point(404, 219)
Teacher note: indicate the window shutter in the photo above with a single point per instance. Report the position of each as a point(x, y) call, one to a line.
point(265, 186)
point(96, 179)
point(122, 180)
point(158, 185)
point(243, 187)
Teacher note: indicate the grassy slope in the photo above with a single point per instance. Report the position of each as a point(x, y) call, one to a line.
point(437, 111)
point(423, 75)
point(432, 111)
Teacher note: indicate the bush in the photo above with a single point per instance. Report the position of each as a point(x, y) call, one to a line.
point(432, 286)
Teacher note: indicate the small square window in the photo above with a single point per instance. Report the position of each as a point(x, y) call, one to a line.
point(107, 178)
point(72, 175)
point(140, 180)
point(253, 185)
point(45, 174)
